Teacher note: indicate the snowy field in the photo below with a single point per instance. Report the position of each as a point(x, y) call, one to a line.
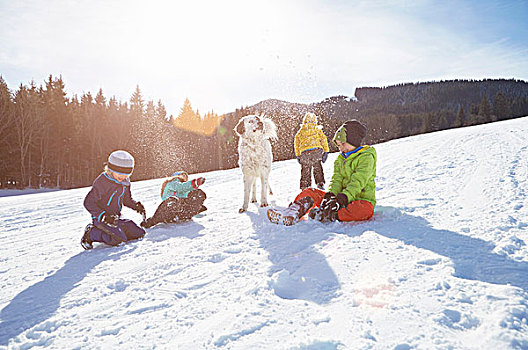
point(442, 265)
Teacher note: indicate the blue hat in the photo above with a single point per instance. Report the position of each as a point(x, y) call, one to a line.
point(181, 172)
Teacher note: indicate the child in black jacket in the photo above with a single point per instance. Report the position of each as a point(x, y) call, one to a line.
point(110, 191)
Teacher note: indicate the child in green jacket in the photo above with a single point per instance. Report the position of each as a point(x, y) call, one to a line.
point(351, 195)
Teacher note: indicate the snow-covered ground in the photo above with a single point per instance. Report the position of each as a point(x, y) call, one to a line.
point(15, 192)
point(442, 265)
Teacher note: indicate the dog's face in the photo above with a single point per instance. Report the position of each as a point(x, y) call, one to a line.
point(248, 125)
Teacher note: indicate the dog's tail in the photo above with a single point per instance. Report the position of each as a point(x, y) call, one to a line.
point(269, 129)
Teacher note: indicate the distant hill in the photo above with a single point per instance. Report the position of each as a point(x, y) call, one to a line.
point(435, 96)
point(399, 110)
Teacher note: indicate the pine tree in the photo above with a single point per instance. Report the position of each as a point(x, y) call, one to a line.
point(502, 106)
point(161, 112)
point(187, 124)
point(78, 164)
point(26, 124)
point(6, 131)
point(484, 109)
point(6, 107)
point(136, 104)
point(150, 111)
point(473, 109)
point(187, 118)
point(460, 117)
point(139, 143)
point(100, 101)
point(57, 135)
point(92, 135)
point(103, 133)
point(119, 122)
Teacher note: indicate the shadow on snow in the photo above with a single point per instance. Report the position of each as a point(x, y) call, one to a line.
point(40, 301)
point(473, 258)
point(162, 232)
point(299, 271)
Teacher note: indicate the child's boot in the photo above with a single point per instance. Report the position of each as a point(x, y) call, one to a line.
point(148, 223)
point(86, 241)
point(292, 214)
point(315, 214)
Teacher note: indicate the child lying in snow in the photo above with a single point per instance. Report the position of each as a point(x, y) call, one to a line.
point(182, 199)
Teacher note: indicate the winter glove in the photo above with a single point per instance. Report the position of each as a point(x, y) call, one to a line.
point(140, 208)
point(331, 205)
point(325, 157)
point(109, 219)
point(298, 159)
point(198, 182)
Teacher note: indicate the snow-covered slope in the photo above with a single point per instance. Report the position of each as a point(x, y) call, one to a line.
point(442, 265)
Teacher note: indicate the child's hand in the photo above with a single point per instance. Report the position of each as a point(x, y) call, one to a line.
point(198, 182)
point(139, 208)
point(331, 205)
point(109, 218)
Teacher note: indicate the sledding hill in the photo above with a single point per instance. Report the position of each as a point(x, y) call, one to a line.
point(443, 264)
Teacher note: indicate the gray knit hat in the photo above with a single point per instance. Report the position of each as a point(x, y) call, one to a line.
point(121, 162)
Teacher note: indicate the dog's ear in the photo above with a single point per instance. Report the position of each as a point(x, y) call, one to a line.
point(270, 129)
point(260, 125)
point(240, 129)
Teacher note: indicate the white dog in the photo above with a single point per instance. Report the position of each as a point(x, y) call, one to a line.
point(254, 156)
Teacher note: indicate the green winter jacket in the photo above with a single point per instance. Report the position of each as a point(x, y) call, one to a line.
point(354, 176)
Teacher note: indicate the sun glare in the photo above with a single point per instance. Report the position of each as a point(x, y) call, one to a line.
point(202, 38)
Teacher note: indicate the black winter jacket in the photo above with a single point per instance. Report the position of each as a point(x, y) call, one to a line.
point(108, 196)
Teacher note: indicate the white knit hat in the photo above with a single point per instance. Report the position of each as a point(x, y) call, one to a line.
point(310, 118)
point(121, 162)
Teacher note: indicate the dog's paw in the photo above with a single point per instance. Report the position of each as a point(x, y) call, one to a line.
point(241, 210)
point(253, 201)
point(264, 204)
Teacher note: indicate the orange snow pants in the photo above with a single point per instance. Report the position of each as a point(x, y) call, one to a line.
point(355, 211)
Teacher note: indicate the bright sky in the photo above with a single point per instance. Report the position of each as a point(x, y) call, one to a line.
point(226, 54)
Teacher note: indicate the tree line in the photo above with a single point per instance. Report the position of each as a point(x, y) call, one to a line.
point(50, 140)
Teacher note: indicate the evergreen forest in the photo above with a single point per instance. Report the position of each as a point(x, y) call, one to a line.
point(50, 140)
